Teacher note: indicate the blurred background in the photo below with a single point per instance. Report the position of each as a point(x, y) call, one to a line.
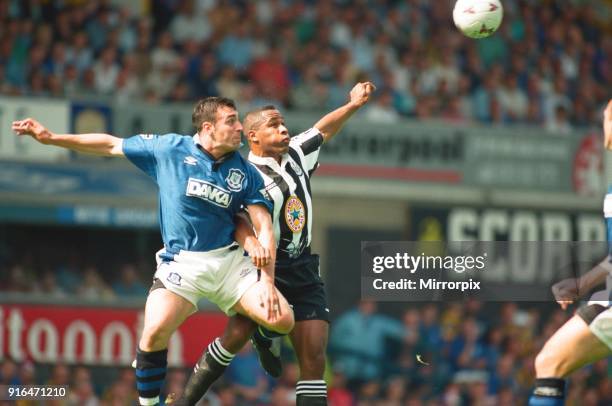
point(495, 139)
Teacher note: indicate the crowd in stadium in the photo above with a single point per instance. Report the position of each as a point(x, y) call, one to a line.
point(465, 358)
point(470, 353)
point(549, 65)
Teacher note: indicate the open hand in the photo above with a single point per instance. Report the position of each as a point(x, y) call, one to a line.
point(33, 128)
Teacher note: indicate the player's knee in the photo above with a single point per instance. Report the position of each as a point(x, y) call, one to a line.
point(155, 337)
point(235, 337)
point(548, 364)
point(284, 324)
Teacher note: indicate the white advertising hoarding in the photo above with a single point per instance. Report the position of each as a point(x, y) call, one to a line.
point(54, 114)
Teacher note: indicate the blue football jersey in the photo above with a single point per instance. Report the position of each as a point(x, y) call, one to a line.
point(198, 196)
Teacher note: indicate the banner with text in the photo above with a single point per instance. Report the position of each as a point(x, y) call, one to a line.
point(95, 336)
point(500, 157)
point(413, 151)
point(55, 114)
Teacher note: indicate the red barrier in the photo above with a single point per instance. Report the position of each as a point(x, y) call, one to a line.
point(94, 336)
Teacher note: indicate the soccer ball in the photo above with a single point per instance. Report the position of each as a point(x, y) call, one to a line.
point(478, 18)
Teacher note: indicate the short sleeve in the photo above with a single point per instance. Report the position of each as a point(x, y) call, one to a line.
point(256, 191)
point(309, 142)
point(141, 151)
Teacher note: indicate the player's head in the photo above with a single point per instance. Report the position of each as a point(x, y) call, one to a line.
point(216, 120)
point(266, 132)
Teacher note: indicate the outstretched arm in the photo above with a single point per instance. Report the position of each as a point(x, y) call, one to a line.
point(569, 290)
point(330, 124)
point(607, 125)
point(96, 144)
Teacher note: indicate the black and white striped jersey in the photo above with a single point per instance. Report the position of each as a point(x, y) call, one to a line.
point(288, 185)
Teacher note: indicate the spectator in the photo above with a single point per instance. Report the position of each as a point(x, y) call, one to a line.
point(359, 340)
point(228, 84)
point(408, 45)
point(48, 286)
point(237, 49)
point(206, 82)
point(466, 350)
point(559, 124)
point(246, 376)
point(9, 374)
point(165, 66)
point(106, 71)
point(395, 392)
point(338, 394)
point(271, 75)
point(129, 284)
point(79, 53)
point(310, 94)
point(382, 111)
point(93, 287)
point(187, 24)
point(483, 99)
point(60, 375)
point(513, 101)
point(128, 84)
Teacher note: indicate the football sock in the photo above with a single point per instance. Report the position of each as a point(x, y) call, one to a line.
point(150, 375)
point(311, 393)
point(548, 392)
point(208, 369)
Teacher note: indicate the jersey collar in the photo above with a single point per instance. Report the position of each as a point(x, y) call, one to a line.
point(268, 161)
point(215, 162)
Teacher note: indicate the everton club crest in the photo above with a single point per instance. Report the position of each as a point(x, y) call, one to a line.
point(234, 180)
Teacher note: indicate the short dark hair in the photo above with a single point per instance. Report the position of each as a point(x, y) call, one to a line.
point(254, 118)
point(206, 110)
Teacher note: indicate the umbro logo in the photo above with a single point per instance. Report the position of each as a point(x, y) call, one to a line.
point(245, 272)
point(189, 160)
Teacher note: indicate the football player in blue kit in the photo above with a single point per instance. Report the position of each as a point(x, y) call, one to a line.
point(203, 183)
point(586, 337)
point(286, 165)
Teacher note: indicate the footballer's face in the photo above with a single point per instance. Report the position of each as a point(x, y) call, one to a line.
point(272, 136)
point(227, 130)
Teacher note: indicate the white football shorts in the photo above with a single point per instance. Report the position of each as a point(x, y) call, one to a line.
point(222, 275)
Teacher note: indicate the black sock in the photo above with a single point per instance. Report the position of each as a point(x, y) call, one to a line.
point(150, 375)
point(208, 369)
point(311, 393)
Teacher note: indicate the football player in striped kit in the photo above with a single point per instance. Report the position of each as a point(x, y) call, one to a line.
point(286, 165)
point(586, 337)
